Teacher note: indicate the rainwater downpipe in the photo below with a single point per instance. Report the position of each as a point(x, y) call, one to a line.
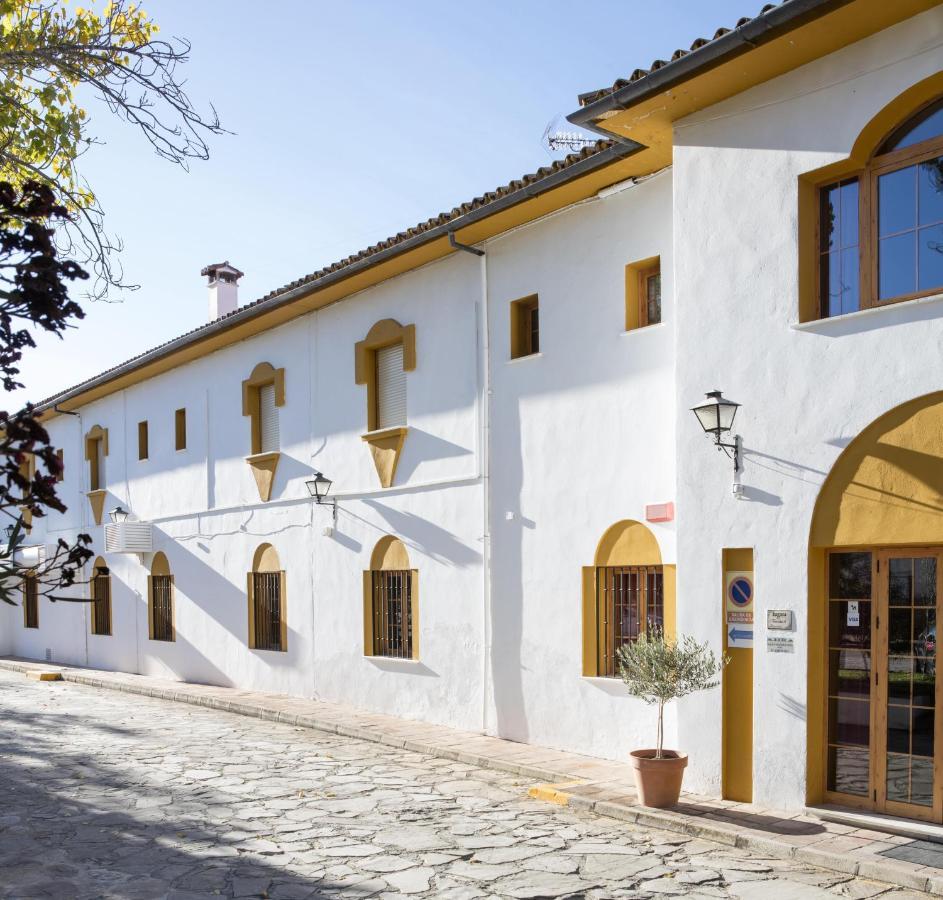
point(484, 444)
point(78, 415)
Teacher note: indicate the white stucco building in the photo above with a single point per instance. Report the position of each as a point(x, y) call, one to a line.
point(501, 398)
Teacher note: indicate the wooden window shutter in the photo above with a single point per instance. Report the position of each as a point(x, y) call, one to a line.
point(180, 429)
point(250, 596)
point(590, 624)
point(283, 611)
point(268, 419)
point(391, 387)
point(414, 611)
point(368, 646)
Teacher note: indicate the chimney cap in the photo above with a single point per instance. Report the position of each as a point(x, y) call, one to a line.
point(222, 271)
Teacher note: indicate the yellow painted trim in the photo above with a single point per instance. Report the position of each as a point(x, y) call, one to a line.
point(414, 611)
point(386, 447)
point(44, 676)
point(265, 559)
point(650, 121)
point(737, 692)
point(590, 624)
point(553, 793)
point(670, 596)
point(880, 126)
point(521, 311)
point(263, 466)
point(389, 554)
point(96, 500)
point(633, 296)
point(628, 543)
point(262, 375)
point(383, 334)
point(528, 210)
point(368, 613)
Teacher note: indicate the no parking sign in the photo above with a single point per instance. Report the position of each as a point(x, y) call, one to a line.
point(739, 598)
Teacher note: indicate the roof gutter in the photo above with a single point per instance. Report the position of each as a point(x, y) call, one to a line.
point(765, 27)
point(619, 150)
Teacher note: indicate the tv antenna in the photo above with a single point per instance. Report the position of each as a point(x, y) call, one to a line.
point(555, 138)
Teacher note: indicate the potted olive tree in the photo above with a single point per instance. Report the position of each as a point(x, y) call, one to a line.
point(658, 670)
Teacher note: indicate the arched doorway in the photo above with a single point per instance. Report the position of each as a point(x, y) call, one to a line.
point(875, 595)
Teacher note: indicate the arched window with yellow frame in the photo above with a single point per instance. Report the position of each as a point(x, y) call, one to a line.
point(626, 592)
point(268, 608)
point(878, 215)
point(161, 613)
point(391, 602)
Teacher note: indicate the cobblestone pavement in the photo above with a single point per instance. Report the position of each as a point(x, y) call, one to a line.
point(110, 796)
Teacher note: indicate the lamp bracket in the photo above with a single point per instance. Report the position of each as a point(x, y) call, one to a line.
point(332, 502)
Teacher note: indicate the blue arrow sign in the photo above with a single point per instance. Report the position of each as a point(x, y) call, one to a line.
point(740, 634)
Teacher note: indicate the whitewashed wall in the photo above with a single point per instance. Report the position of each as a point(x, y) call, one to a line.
point(806, 392)
point(582, 436)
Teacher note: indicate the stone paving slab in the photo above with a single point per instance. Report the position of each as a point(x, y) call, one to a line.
point(580, 782)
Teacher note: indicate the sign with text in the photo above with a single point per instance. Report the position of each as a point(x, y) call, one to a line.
point(777, 643)
point(779, 620)
point(739, 598)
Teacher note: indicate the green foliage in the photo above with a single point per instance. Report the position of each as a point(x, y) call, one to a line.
point(658, 670)
point(50, 53)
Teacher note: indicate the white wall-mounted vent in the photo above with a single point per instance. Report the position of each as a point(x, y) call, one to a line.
point(31, 557)
point(129, 537)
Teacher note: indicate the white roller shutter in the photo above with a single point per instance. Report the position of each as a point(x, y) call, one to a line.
point(268, 419)
point(391, 387)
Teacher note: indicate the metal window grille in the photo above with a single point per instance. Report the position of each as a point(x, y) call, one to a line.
point(101, 605)
point(162, 607)
point(653, 298)
point(267, 610)
point(630, 600)
point(392, 614)
point(31, 601)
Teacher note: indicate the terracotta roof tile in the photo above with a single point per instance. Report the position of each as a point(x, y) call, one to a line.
point(441, 219)
point(639, 74)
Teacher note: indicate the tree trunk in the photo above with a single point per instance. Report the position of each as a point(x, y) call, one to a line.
point(661, 730)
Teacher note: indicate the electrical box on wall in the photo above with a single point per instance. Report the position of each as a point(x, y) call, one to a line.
point(660, 512)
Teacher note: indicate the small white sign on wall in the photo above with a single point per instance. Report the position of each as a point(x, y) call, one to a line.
point(779, 619)
point(777, 643)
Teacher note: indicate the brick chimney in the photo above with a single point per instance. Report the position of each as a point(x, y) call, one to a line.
point(223, 282)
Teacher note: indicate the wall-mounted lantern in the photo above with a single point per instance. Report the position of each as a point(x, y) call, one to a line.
point(319, 487)
point(118, 515)
point(716, 415)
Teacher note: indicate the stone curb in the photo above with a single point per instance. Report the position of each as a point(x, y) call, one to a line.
point(876, 869)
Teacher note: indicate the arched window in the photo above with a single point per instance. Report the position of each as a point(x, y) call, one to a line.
point(101, 598)
point(627, 592)
point(161, 623)
point(881, 229)
point(268, 625)
point(391, 603)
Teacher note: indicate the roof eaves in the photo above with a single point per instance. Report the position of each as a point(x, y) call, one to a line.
point(601, 154)
point(705, 53)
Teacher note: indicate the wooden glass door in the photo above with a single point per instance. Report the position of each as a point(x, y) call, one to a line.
point(885, 728)
point(907, 741)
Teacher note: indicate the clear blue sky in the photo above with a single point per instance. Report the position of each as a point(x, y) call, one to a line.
point(351, 121)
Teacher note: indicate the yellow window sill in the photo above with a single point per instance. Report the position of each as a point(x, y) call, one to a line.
point(263, 467)
point(386, 445)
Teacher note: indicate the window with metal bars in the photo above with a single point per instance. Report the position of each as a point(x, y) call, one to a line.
point(101, 603)
point(630, 601)
point(31, 602)
point(392, 613)
point(162, 608)
point(267, 611)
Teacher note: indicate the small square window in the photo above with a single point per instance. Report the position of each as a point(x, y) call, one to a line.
point(180, 429)
point(525, 327)
point(643, 293)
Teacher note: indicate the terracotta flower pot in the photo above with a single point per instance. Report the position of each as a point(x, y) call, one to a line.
point(658, 780)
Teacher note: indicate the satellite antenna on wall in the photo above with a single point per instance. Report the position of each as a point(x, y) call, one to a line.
point(555, 138)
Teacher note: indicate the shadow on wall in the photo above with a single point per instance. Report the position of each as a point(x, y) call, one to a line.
point(429, 539)
point(420, 447)
point(199, 585)
point(140, 853)
point(507, 626)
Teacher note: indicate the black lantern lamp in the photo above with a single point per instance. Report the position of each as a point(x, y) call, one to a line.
point(716, 415)
point(319, 487)
point(9, 531)
point(119, 515)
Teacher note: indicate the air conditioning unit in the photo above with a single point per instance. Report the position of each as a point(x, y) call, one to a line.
point(129, 537)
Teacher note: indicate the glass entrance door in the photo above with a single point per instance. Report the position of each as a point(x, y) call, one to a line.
point(906, 691)
point(884, 732)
